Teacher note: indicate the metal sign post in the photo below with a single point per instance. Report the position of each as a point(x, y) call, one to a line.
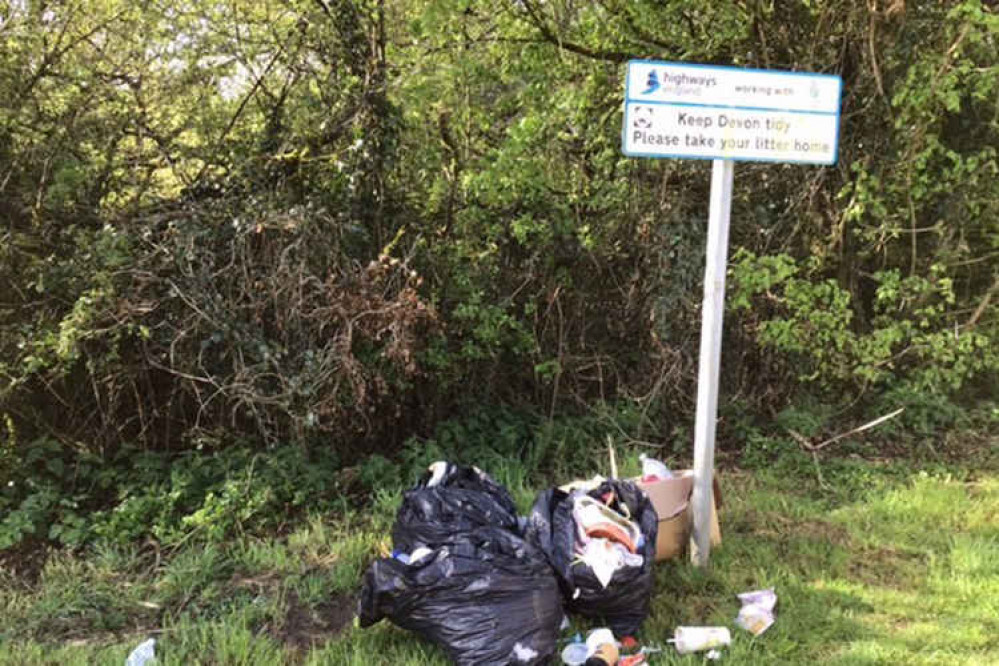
point(712, 311)
point(687, 111)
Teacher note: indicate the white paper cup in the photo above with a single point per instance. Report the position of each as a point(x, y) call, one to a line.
point(696, 639)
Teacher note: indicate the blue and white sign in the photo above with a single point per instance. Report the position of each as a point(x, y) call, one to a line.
point(707, 112)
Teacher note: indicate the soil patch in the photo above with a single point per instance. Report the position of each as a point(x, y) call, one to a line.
point(306, 626)
point(24, 563)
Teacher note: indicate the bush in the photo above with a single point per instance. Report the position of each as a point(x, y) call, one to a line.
point(910, 337)
point(77, 499)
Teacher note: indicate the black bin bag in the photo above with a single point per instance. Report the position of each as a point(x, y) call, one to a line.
point(487, 597)
point(624, 603)
point(450, 499)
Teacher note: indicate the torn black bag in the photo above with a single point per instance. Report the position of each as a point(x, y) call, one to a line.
point(450, 499)
point(624, 603)
point(486, 596)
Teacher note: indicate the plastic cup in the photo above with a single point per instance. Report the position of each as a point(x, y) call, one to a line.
point(575, 654)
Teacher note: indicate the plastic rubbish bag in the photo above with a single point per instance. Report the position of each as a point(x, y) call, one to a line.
point(143, 654)
point(486, 596)
point(450, 499)
point(624, 601)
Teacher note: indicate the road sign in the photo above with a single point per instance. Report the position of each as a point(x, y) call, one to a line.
point(703, 112)
point(724, 114)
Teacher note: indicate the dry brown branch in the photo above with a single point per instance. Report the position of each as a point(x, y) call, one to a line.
point(814, 448)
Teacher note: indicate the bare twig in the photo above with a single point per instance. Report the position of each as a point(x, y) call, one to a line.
point(801, 439)
point(872, 8)
point(539, 22)
point(613, 457)
point(980, 310)
point(239, 110)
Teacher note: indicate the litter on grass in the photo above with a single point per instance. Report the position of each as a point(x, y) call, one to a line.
point(629, 643)
point(488, 586)
point(757, 612)
point(575, 654)
point(601, 643)
point(698, 639)
point(450, 499)
point(601, 544)
point(463, 577)
point(629, 656)
point(143, 654)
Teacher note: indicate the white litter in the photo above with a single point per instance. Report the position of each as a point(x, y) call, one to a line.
point(605, 557)
point(419, 554)
point(437, 471)
point(524, 653)
point(654, 470)
point(757, 612)
point(699, 639)
point(143, 654)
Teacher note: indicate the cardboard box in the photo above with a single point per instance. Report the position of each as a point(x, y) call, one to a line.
point(671, 500)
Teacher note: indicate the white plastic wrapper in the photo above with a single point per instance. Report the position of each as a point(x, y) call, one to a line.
point(757, 612)
point(143, 655)
point(697, 639)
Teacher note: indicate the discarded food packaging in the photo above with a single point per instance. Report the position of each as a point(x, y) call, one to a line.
point(698, 639)
point(757, 612)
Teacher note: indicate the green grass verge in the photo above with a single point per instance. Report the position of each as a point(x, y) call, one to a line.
point(873, 564)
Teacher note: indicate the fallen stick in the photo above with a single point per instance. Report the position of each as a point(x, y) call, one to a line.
point(801, 439)
point(613, 458)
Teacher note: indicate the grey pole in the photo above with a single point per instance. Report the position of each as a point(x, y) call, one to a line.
point(712, 312)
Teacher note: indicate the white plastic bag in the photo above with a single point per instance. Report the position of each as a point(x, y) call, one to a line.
point(143, 654)
point(654, 470)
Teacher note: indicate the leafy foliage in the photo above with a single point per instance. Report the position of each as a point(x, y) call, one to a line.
point(209, 496)
point(909, 340)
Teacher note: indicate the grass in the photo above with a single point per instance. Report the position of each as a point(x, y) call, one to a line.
point(873, 563)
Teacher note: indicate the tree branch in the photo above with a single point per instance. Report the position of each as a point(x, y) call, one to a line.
point(801, 439)
point(980, 310)
point(538, 21)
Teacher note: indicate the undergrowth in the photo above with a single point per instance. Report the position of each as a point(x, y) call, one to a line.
point(51, 495)
point(902, 565)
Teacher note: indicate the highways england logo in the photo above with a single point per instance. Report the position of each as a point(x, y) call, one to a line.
point(677, 83)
